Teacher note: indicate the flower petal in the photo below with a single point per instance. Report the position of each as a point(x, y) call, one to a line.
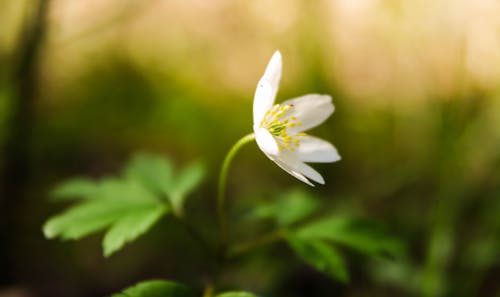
point(292, 172)
point(316, 150)
point(268, 145)
point(310, 110)
point(295, 166)
point(266, 141)
point(310, 173)
point(267, 88)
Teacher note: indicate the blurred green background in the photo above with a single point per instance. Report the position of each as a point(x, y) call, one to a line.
point(416, 85)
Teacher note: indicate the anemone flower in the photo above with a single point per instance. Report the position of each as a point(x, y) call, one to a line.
point(279, 128)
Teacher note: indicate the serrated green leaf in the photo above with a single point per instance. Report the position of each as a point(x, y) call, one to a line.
point(321, 256)
point(125, 206)
point(74, 188)
point(154, 172)
point(156, 288)
point(124, 190)
point(187, 180)
point(84, 219)
point(365, 238)
point(129, 227)
point(128, 206)
point(236, 294)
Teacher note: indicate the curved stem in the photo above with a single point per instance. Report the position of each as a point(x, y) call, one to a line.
point(221, 197)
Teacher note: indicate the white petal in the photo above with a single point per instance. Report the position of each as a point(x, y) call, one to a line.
point(310, 110)
point(266, 141)
point(292, 172)
point(313, 149)
point(289, 161)
point(267, 88)
point(310, 173)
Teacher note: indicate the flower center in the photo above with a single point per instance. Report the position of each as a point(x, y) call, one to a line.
point(276, 122)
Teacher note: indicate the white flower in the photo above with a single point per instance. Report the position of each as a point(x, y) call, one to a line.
point(279, 128)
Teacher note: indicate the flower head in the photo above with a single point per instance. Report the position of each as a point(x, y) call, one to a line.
point(279, 128)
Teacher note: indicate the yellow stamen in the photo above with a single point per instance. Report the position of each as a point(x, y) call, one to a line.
point(276, 122)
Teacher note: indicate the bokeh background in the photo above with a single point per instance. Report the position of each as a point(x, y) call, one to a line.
point(416, 84)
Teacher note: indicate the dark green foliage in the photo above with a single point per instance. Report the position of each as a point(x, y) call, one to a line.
point(315, 240)
point(156, 288)
point(364, 237)
point(321, 256)
point(315, 243)
point(236, 294)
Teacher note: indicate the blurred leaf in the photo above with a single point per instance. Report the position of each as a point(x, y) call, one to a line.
point(130, 227)
point(154, 172)
point(125, 206)
point(187, 180)
point(287, 210)
point(364, 237)
point(294, 207)
point(320, 255)
point(325, 227)
point(124, 190)
point(74, 188)
point(84, 219)
point(156, 288)
point(157, 174)
point(128, 206)
point(401, 273)
point(236, 294)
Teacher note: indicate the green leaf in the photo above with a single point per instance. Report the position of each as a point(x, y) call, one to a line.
point(154, 172)
point(187, 180)
point(124, 206)
point(156, 288)
point(287, 209)
point(74, 188)
point(84, 219)
point(236, 294)
point(324, 228)
point(364, 237)
point(128, 206)
point(129, 227)
point(123, 190)
point(320, 255)
point(295, 206)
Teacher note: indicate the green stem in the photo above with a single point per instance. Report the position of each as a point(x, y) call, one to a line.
point(221, 197)
point(255, 243)
point(208, 291)
point(196, 236)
